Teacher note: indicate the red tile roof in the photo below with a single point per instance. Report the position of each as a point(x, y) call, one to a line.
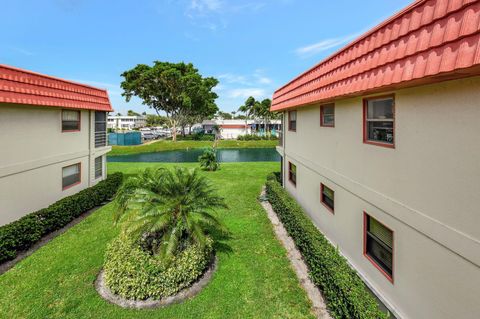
point(19, 86)
point(429, 41)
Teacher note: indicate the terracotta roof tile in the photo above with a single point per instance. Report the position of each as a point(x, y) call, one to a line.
point(19, 86)
point(425, 40)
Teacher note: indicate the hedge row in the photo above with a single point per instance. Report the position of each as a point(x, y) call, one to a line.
point(345, 292)
point(23, 233)
point(255, 137)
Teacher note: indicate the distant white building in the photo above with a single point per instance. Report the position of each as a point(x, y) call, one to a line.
point(124, 122)
point(232, 129)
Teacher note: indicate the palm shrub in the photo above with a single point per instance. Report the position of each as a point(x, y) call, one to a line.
point(208, 160)
point(168, 208)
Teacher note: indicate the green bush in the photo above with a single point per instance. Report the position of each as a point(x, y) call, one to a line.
point(255, 137)
point(133, 273)
point(199, 136)
point(208, 160)
point(345, 292)
point(23, 233)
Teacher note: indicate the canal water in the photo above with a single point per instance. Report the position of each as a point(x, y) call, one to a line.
point(191, 156)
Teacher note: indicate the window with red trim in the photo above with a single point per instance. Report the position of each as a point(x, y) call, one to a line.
point(379, 121)
point(292, 173)
point(70, 121)
point(327, 115)
point(292, 120)
point(327, 197)
point(71, 175)
point(378, 245)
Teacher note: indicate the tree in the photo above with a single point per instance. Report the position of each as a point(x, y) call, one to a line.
point(224, 115)
point(155, 120)
point(132, 113)
point(174, 205)
point(247, 109)
point(175, 88)
point(144, 113)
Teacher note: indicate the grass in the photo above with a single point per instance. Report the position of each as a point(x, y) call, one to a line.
point(254, 280)
point(181, 145)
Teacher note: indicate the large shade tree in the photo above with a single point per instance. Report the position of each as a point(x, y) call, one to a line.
point(177, 89)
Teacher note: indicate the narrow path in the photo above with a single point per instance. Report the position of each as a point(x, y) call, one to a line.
point(319, 307)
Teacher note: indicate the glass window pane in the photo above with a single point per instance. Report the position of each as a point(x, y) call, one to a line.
point(380, 109)
point(70, 170)
point(70, 175)
point(381, 232)
point(68, 115)
point(382, 256)
point(98, 167)
point(381, 131)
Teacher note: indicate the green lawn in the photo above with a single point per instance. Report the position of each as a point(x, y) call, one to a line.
point(180, 145)
point(253, 280)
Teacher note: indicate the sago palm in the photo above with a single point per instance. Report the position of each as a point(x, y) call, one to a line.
point(175, 205)
point(208, 160)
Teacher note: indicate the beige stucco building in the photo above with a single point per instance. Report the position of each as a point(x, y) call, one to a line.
point(53, 140)
point(383, 153)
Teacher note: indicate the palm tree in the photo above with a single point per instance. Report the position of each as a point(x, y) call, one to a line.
point(247, 109)
point(175, 206)
point(208, 160)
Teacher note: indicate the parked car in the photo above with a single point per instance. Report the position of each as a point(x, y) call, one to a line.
point(148, 136)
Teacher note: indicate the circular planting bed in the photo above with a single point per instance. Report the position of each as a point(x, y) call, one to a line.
point(134, 278)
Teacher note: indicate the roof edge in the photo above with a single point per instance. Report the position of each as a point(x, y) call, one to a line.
point(357, 40)
point(52, 77)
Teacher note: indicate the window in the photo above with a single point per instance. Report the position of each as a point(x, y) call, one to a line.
point(327, 115)
point(292, 173)
point(379, 121)
point(100, 129)
point(71, 175)
point(70, 121)
point(292, 120)
point(327, 197)
point(378, 245)
point(98, 167)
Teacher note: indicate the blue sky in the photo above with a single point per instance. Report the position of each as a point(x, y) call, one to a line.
point(252, 47)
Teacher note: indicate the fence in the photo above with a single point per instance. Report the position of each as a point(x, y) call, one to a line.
point(130, 138)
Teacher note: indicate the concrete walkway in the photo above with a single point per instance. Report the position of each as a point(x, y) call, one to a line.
point(319, 307)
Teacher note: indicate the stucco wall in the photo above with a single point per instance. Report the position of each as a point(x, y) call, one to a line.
point(427, 190)
point(34, 150)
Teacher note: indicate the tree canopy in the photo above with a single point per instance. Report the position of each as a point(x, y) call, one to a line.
point(177, 89)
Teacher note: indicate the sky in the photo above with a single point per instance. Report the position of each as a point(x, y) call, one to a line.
point(252, 47)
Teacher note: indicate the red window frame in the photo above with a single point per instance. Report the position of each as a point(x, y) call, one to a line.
point(294, 182)
point(374, 263)
point(79, 172)
point(289, 121)
point(322, 198)
point(79, 121)
point(322, 107)
point(365, 108)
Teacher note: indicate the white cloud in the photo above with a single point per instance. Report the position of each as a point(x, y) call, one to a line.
point(246, 92)
point(233, 78)
point(323, 45)
point(21, 51)
point(203, 6)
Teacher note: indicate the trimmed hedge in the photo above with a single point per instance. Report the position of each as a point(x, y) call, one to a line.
point(255, 137)
point(345, 292)
point(135, 274)
point(26, 231)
